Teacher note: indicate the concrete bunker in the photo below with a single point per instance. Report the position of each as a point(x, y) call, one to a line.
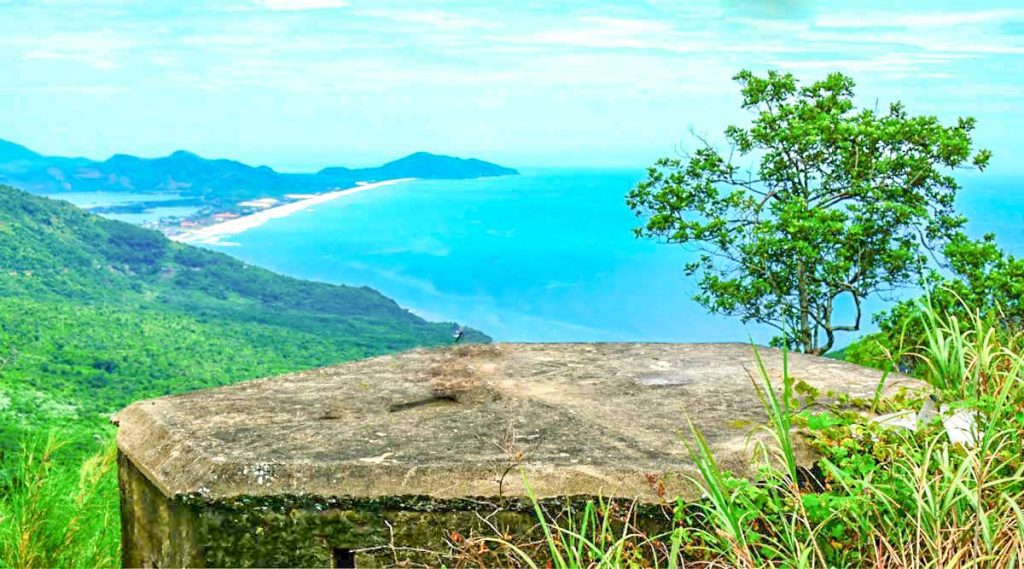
point(384, 460)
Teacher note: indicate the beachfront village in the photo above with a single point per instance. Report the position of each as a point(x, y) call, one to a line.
point(181, 226)
point(208, 226)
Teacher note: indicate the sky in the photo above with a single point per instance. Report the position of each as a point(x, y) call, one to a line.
point(302, 84)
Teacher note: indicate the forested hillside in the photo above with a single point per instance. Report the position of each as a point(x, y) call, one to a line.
point(95, 314)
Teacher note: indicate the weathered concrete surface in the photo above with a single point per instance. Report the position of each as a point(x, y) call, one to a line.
point(586, 418)
point(156, 532)
point(452, 424)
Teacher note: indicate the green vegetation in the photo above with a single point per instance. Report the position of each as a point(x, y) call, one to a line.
point(96, 314)
point(844, 203)
point(978, 274)
point(54, 515)
point(880, 496)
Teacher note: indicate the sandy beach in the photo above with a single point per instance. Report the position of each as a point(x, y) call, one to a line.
point(212, 234)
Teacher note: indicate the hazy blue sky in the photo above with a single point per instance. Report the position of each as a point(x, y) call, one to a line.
point(299, 84)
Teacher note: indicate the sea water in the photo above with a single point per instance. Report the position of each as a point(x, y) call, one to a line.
point(88, 200)
point(545, 256)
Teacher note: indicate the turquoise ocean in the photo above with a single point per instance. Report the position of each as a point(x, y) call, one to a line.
point(545, 256)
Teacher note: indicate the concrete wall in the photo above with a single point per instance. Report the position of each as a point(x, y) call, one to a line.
point(303, 531)
point(155, 532)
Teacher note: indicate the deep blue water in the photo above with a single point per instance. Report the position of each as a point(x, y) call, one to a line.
point(546, 256)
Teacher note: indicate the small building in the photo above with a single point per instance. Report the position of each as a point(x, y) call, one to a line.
point(261, 203)
point(392, 458)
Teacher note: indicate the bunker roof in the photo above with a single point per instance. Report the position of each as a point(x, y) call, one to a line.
point(578, 419)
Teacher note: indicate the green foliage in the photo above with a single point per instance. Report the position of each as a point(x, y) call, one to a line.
point(780, 411)
point(870, 350)
point(96, 314)
point(878, 497)
point(55, 516)
point(888, 497)
point(984, 278)
point(600, 534)
point(978, 281)
point(843, 203)
point(80, 362)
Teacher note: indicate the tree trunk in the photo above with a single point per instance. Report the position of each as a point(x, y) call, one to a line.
point(805, 310)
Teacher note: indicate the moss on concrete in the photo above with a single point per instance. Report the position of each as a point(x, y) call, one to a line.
point(304, 531)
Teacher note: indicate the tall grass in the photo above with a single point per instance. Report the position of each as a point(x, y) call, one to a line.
point(883, 497)
point(56, 515)
point(968, 500)
point(602, 534)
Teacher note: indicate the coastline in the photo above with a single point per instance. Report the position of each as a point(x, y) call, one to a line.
point(212, 234)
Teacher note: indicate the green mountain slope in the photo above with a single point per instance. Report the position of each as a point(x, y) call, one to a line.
point(95, 314)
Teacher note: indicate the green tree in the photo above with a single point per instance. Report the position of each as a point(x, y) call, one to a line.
point(843, 203)
point(977, 278)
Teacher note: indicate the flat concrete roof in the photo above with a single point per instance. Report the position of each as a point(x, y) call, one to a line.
point(580, 419)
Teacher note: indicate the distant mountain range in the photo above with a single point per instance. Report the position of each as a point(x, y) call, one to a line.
point(217, 183)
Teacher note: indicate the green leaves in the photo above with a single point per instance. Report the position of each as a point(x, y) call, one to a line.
point(834, 203)
point(979, 281)
point(102, 313)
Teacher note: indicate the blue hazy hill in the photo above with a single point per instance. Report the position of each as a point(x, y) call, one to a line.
point(216, 182)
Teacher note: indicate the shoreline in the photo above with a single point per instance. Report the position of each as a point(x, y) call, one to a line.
point(211, 234)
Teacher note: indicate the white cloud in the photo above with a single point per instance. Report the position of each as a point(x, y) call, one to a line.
point(60, 88)
point(99, 50)
point(100, 63)
point(614, 33)
point(163, 60)
point(770, 25)
point(617, 75)
point(433, 18)
point(920, 20)
point(965, 44)
point(297, 5)
point(1010, 92)
point(894, 62)
point(221, 40)
point(651, 35)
